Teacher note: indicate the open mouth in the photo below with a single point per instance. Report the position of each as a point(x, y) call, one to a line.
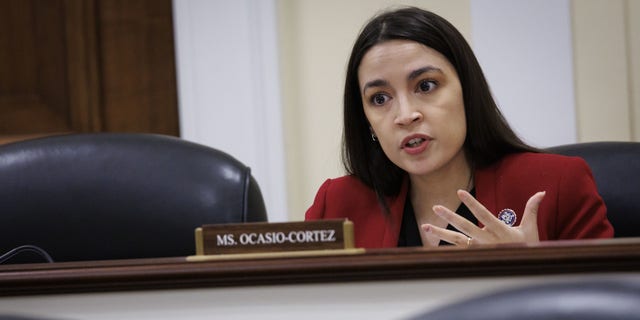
point(414, 142)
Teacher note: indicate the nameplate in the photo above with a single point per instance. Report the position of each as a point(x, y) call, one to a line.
point(242, 238)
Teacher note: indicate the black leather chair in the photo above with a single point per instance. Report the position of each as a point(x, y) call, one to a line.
point(616, 169)
point(615, 298)
point(119, 196)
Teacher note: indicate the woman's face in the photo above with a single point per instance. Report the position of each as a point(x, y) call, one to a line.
point(412, 98)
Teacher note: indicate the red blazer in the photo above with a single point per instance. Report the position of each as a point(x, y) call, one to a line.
point(571, 208)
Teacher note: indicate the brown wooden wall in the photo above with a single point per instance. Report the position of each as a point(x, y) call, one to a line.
point(86, 66)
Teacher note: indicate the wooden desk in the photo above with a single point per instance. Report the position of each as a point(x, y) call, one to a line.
point(378, 284)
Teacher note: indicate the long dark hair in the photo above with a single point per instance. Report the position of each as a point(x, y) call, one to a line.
point(489, 136)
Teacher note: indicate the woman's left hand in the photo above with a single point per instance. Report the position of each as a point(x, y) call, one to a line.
point(494, 230)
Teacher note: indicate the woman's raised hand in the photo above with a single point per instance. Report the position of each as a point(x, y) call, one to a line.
point(493, 231)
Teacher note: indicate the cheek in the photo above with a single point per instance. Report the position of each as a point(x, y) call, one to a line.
point(461, 119)
point(456, 113)
point(375, 120)
point(452, 124)
point(459, 124)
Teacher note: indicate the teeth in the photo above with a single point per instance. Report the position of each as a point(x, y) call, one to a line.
point(414, 142)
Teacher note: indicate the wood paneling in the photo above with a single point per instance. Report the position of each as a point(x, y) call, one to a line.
point(34, 95)
point(83, 65)
point(138, 69)
point(86, 66)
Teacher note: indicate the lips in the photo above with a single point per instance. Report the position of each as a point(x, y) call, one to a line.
point(416, 143)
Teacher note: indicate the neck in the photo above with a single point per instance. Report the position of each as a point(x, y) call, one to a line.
point(443, 183)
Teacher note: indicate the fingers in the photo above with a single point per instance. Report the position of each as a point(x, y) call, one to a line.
point(531, 209)
point(484, 216)
point(449, 236)
point(529, 224)
point(463, 225)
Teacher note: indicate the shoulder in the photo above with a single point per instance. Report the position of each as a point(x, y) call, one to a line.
point(345, 191)
point(518, 176)
point(348, 184)
point(539, 165)
point(520, 170)
point(572, 207)
point(539, 160)
point(341, 197)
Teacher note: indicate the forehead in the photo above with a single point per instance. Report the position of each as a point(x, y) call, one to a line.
point(400, 56)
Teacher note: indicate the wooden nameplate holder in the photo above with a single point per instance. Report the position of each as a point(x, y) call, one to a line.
point(273, 240)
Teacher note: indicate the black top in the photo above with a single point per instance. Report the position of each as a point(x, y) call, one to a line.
point(409, 231)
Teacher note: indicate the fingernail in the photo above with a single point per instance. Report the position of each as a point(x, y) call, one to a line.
point(426, 228)
point(438, 210)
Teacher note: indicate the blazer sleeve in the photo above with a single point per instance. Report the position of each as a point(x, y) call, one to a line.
point(582, 213)
point(317, 209)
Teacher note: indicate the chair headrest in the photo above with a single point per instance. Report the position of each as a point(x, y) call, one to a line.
point(115, 192)
point(616, 170)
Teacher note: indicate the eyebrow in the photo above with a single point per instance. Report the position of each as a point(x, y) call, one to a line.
point(414, 74)
point(375, 83)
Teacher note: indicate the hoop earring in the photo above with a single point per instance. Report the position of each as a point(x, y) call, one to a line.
point(374, 138)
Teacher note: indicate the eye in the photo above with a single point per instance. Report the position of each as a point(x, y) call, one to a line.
point(427, 85)
point(379, 99)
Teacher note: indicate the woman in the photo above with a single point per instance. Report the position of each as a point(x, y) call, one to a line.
point(423, 136)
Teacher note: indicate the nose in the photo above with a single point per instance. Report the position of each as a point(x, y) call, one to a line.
point(407, 114)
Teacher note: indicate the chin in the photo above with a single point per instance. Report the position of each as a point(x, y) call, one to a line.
point(418, 171)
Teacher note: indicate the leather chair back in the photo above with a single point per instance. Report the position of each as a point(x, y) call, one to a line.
point(616, 169)
point(591, 299)
point(119, 196)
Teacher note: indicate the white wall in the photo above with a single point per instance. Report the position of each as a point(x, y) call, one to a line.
point(525, 50)
point(229, 88)
point(603, 69)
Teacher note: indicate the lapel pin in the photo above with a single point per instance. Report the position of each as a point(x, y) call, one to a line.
point(507, 216)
